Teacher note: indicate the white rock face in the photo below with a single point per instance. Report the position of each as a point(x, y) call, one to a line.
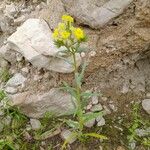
point(146, 105)
point(54, 101)
point(94, 13)
point(34, 41)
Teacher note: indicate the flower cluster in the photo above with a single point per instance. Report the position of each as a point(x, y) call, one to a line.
point(66, 34)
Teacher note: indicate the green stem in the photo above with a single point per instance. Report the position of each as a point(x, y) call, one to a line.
point(79, 111)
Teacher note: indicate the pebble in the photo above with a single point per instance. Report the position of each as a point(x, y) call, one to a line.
point(94, 100)
point(35, 124)
point(146, 105)
point(104, 99)
point(19, 20)
point(148, 95)
point(101, 122)
point(113, 107)
point(89, 107)
point(97, 107)
point(106, 110)
point(11, 90)
point(16, 80)
point(66, 134)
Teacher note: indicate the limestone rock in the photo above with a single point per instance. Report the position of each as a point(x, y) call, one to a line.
point(37, 46)
point(54, 101)
point(146, 105)
point(11, 90)
point(95, 14)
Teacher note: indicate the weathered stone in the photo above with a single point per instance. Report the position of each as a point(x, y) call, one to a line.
point(146, 105)
point(87, 12)
point(10, 10)
point(97, 107)
point(54, 101)
point(94, 100)
point(39, 48)
point(11, 90)
point(16, 80)
point(35, 124)
point(100, 121)
point(67, 135)
point(55, 16)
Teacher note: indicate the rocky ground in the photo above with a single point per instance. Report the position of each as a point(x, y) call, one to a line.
point(32, 72)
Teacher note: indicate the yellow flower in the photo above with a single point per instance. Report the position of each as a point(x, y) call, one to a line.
point(67, 18)
point(61, 26)
point(55, 34)
point(65, 35)
point(79, 34)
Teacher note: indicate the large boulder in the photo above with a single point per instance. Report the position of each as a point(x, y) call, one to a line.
point(54, 101)
point(95, 13)
point(34, 41)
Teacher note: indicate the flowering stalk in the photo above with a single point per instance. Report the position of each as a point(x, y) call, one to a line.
point(68, 36)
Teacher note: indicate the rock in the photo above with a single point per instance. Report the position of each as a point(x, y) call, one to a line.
point(54, 101)
point(8, 54)
point(147, 95)
point(146, 105)
point(90, 123)
point(56, 15)
point(10, 10)
point(67, 135)
point(19, 20)
point(106, 110)
point(89, 106)
point(101, 121)
point(16, 80)
point(39, 49)
point(35, 124)
point(95, 14)
point(97, 107)
point(11, 90)
point(143, 132)
point(94, 100)
point(113, 107)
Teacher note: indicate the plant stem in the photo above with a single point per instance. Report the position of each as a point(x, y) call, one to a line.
point(79, 109)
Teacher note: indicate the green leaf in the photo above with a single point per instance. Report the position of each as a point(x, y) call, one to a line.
point(93, 115)
point(99, 136)
point(72, 124)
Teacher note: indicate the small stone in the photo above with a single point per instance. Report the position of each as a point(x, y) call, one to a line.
point(25, 70)
point(142, 132)
point(106, 110)
point(66, 134)
point(97, 107)
point(101, 122)
point(19, 20)
point(16, 80)
point(89, 107)
point(35, 124)
point(94, 100)
point(147, 95)
point(146, 105)
point(104, 99)
point(113, 107)
point(11, 90)
point(19, 57)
